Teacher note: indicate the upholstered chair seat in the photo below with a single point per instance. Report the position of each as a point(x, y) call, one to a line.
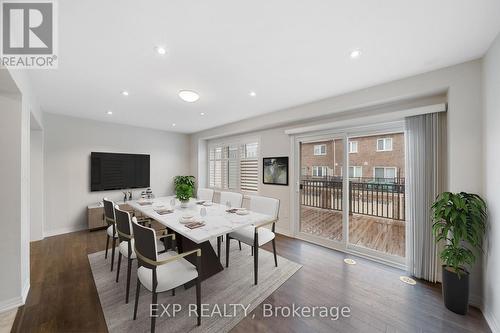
point(257, 235)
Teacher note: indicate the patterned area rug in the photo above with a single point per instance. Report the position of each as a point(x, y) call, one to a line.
point(226, 297)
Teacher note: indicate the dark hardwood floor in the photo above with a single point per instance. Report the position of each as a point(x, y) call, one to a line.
point(63, 297)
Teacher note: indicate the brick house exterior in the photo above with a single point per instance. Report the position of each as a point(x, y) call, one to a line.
point(378, 156)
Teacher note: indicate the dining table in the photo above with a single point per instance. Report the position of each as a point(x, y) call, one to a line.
point(216, 220)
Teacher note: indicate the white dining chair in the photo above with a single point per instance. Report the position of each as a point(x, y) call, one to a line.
point(109, 218)
point(159, 273)
point(205, 194)
point(126, 243)
point(256, 236)
point(235, 199)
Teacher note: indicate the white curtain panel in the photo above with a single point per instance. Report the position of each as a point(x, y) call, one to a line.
point(425, 164)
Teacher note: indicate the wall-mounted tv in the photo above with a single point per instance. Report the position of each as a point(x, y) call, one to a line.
point(112, 171)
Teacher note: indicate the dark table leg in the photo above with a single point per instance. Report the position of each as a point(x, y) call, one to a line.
point(210, 263)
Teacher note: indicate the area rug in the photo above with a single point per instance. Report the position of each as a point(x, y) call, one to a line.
point(226, 297)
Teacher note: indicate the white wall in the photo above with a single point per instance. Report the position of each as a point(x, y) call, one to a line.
point(37, 215)
point(18, 125)
point(68, 144)
point(491, 90)
point(463, 86)
point(10, 201)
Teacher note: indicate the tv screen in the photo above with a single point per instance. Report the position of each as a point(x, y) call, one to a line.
point(111, 171)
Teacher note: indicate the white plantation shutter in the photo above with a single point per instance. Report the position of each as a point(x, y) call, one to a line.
point(249, 166)
point(215, 167)
point(234, 167)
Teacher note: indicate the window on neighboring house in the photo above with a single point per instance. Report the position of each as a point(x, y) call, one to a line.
point(319, 171)
point(353, 146)
point(384, 144)
point(319, 149)
point(384, 173)
point(234, 167)
point(355, 172)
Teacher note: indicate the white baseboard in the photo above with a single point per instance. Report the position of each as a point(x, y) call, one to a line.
point(26, 290)
point(15, 302)
point(10, 304)
point(493, 322)
point(60, 231)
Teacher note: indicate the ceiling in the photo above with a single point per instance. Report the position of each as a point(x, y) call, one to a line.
point(288, 52)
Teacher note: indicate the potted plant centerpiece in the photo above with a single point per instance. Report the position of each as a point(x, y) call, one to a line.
point(459, 221)
point(184, 189)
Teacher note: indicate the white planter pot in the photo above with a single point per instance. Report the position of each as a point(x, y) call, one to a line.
point(184, 204)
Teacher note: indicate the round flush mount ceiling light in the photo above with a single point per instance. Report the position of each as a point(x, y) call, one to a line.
point(252, 93)
point(161, 50)
point(109, 112)
point(125, 93)
point(202, 113)
point(173, 125)
point(355, 54)
point(189, 96)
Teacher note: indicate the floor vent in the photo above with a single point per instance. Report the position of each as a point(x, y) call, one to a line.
point(350, 261)
point(408, 280)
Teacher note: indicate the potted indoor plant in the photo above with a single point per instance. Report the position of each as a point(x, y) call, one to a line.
point(460, 222)
point(184, 188)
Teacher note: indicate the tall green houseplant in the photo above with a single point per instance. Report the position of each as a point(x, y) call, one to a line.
point(459, 222)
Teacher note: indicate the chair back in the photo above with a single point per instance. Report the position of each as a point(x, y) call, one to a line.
point(206, 194)
point(144, 243)
point(123, 224)
point(109, 211)
point(236, 199)
point(265, 205)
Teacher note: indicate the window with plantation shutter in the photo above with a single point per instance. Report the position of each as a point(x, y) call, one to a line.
point(249, 166)
point(234, 167)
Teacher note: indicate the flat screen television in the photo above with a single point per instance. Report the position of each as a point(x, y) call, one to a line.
point(112, 171)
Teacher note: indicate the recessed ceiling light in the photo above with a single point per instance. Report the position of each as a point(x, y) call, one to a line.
point(125, 93)
point(109, 112)
point(173, 125)
point(355, 54)
point(160, 50)
point(189, 96)
point(253, 93)
point(202, 113)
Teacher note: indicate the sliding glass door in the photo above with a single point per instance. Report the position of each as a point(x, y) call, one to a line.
point(377, 194)
point(321, 188)
point(351, 192)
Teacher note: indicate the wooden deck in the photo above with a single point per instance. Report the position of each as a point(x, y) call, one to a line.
point(384, 235)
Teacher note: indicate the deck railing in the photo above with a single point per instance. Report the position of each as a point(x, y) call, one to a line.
point(380, 197)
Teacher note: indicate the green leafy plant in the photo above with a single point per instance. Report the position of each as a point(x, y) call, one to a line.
point(188, 180)
point(184, 187)
point(460, 221)
point(184, 192)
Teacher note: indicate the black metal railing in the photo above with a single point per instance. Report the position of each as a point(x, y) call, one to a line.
point(379, 197)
